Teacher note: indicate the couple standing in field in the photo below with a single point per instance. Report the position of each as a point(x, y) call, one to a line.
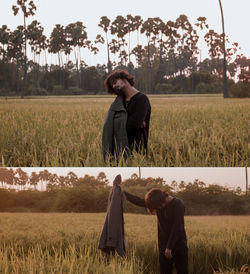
point(125, 130)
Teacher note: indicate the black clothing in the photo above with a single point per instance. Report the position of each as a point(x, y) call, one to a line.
point(171, 232)
point(180, 260)
point(138, 111)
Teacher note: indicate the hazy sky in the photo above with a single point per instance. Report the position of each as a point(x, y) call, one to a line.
point(51, 12)
point(231, 177)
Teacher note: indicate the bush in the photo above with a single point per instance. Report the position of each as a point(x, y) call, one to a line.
point(74, 91)
point(240, 90)
point(3, 92)
point(164, 88)
point(37, 91)
point(208, 88)
point(58, 90)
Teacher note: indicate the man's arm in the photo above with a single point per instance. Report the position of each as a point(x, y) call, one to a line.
point(134, 199)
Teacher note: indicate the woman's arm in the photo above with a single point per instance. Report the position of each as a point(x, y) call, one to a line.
point(134, 199)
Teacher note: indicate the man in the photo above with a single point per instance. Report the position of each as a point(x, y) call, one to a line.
point(126, 126)
point(172, 242)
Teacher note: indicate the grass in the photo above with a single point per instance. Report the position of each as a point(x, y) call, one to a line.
point(67, 243)
point(66, 131)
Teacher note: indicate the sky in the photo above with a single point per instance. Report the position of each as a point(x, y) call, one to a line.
point(226, 176)
point(49, 13)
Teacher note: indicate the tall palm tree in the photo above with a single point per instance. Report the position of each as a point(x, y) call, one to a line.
point(57, 42)
point(21, 178)
point(4, 40)
point(215, 47)
point(187, 43)
point(120, 28)
point(105, 25)
point(56, 45)
point(44, 177)
point(201, 24)
point(148, 27)
point(76, 37)
point(15, 51)
point(36, 40)
point(34, 179)
point(28, 9)
point(52, 183)
point(3, 175)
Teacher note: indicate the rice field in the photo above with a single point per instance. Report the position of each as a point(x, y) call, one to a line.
point(67, 243)
point(66, 131)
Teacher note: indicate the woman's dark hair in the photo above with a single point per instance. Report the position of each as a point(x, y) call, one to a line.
point(155, 198)
point(117, 74)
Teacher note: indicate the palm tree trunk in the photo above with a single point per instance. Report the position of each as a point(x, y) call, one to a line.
point(225, 88)
point(109, 66)
point(25, 61)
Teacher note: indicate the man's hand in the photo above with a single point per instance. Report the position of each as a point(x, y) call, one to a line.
point(117, 180)
point(168, 253)
point(143, 124)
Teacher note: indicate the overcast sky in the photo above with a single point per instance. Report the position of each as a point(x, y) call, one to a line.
point(230, 177)
point(51, 12)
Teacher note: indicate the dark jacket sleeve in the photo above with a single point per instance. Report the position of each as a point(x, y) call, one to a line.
point(134, 199)
point(178, 225)
point(108, 135)
point(136, 119)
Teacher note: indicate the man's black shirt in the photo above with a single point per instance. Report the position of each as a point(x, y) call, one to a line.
point(171, 230)
point(138, 110)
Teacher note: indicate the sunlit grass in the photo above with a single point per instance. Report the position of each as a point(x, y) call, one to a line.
point(67, 243)
point(66, 131)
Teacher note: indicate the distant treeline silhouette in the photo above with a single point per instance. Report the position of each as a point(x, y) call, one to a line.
point(90, 194)
point(168, 62)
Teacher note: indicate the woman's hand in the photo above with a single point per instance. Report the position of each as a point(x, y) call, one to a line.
point(117, 180)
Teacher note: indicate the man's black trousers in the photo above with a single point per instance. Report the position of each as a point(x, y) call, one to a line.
point(179, 261)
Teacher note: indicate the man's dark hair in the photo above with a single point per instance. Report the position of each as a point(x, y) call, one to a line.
point(155, 198)
point(117, 74)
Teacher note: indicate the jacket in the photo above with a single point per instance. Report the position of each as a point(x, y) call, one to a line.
point(114, 135)
point(112, 235)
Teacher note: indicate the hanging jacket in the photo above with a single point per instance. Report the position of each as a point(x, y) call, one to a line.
point(114, 135)
point(112, 235)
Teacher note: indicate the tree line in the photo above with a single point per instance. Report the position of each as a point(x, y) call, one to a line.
point(169, 61)
point(19, 193)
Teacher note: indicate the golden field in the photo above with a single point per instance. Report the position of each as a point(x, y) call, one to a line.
point(67, 243)
point(66, 131)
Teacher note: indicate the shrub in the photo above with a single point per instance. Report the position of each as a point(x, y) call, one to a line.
point(74, 91)
point(165, 88)
point(37, 91)
point(208, 88)
point(240, 90)
point(58, 90)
